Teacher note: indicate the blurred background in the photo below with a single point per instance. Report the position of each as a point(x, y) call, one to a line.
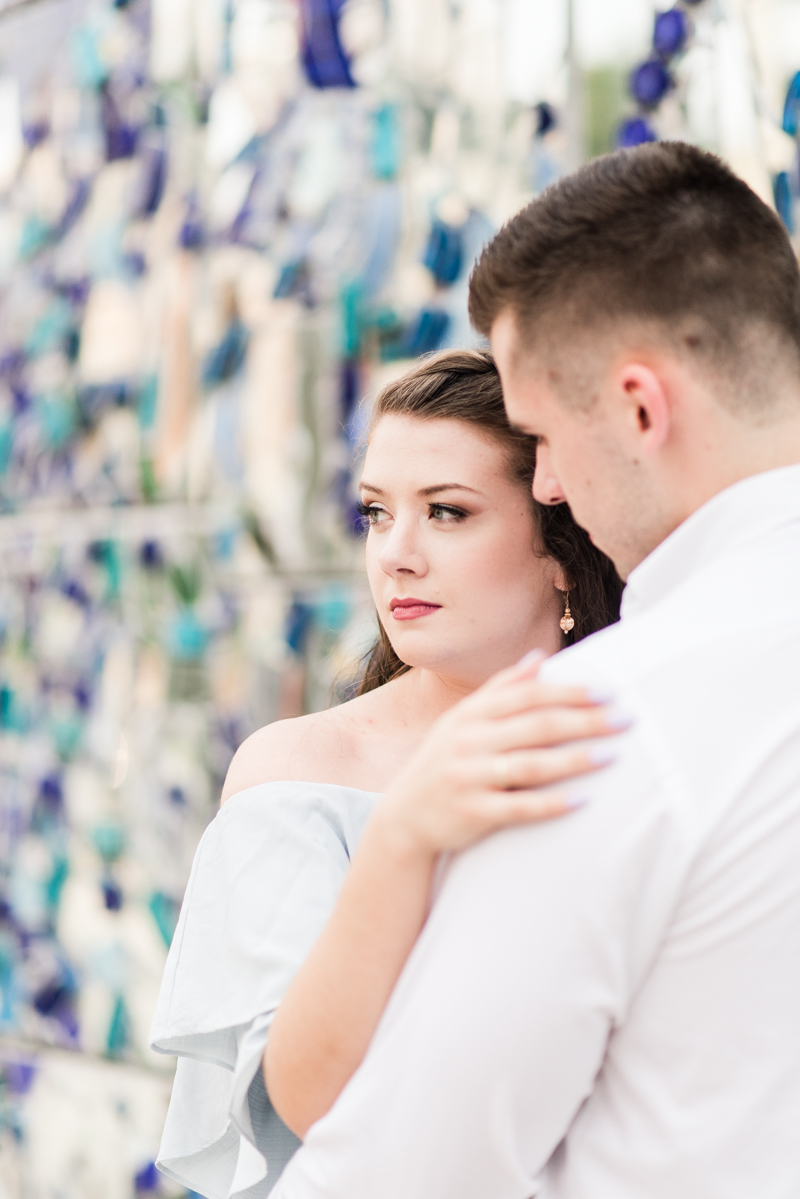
point(223, 225)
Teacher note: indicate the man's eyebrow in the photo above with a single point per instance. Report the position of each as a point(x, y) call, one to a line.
point(424, 490)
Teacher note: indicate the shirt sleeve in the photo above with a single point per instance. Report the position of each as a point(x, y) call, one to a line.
point(500, 1022)
point(264, 881)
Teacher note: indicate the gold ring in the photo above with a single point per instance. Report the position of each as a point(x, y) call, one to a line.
point(502, 773)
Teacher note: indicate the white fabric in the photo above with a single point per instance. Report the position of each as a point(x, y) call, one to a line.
point(607, 1006)
point(264, 881)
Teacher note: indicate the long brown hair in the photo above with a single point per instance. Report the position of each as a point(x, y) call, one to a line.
point(464, 385)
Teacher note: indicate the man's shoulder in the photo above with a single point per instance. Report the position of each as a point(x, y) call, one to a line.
point(593, 660)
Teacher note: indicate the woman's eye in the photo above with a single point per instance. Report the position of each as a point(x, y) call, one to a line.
point(446, 513)
point(372, 513)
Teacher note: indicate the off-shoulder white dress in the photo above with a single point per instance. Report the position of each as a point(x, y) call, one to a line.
point(265, 879)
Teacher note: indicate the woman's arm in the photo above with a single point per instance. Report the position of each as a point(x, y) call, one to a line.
point(512, 731)
point(327, 1018)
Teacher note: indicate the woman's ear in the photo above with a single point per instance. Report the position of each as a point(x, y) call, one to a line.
point(560, 580)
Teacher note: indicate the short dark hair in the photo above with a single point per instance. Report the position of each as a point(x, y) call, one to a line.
point(464, 385)
point(663, 233)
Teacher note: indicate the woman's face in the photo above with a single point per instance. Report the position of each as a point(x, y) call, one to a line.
point(452, 550)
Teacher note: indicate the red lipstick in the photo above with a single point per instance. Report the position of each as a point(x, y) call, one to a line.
point(411, 608)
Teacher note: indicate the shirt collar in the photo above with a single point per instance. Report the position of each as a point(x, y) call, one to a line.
point(751, 508)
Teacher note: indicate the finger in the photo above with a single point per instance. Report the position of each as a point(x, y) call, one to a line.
point(532, 807)
point(550, 726)
point(529, 664)
point(523, 695)
point(502, 680)
point(543, 767)
point(526, 669)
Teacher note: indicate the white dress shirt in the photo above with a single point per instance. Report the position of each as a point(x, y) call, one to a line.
point(607, 1006)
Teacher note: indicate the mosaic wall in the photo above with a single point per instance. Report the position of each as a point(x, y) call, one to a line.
point(222, 224)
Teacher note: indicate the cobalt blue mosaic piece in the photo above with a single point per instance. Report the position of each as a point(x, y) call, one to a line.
point(153, 180)
point(192, 235)
point(324, 59)
point(18, 1076)
point(120, 137)
point(35, 133)
point(349, 388)
point(545, 118)
point(635, 132)
point(112, 894)
point(147, 1179)
point(650, 82)
point(670, 32)
point(151, 555)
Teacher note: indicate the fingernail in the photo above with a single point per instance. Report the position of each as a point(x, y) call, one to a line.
point(535, 655)
point(620, 720)
point(602, 755)
point(576, 801)
point(598, 695)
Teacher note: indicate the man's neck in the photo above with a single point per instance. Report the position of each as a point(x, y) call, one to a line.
point(729, 453)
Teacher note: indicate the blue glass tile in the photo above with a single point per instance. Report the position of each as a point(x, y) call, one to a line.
point(324, 59)
point(784, 201)
point(649, 83)
point(635, 132)
point(791, 107)
point(670, 32)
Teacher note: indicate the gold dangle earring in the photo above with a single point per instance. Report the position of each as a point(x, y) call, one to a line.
point(567, 623)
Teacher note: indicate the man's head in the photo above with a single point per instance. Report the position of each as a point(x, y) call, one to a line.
point(645, 317)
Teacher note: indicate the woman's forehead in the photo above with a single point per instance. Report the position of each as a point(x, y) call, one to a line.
point(408, 443)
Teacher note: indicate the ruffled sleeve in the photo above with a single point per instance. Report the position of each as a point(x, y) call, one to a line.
point(264, 881)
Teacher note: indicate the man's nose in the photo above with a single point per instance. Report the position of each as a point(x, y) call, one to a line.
point(546, 487)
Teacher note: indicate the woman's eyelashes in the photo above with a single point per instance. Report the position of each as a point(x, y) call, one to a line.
point(447, 513)
point(371, 512)
point(441, 513)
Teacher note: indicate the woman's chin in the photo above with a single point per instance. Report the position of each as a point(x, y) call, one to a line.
point(435, 658)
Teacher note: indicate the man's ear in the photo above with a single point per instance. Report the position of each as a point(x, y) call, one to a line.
point(646, 407)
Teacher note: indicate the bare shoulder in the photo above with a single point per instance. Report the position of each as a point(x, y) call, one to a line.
point(304, 749)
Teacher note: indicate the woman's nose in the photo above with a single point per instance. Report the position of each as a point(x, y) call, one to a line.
point(400, 552)
point(546, 487)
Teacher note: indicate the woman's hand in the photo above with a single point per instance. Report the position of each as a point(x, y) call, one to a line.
point(498, 758)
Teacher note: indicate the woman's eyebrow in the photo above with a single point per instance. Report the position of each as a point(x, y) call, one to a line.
point(426, 491)
point(447, 487)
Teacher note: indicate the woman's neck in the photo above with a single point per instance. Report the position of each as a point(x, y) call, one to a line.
point(421, 696)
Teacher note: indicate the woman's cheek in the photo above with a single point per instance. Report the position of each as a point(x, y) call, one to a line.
point(375, 577)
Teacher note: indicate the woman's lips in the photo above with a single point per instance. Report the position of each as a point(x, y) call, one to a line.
point(411, 609)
